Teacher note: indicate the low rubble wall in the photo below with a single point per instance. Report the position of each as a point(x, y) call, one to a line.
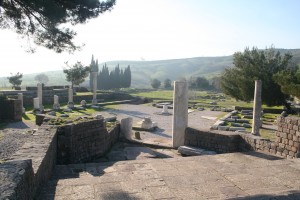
point(286, 144)
point(31, 166)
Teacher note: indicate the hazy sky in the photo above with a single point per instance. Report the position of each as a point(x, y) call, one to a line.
point(166, 29)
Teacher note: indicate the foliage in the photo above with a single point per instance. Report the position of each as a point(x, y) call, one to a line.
point(167, 83)
point(289, 82)
point(46, 21)
point(200, 83)
point(77, 73)
point(216, 83)
point(94, 68)
point(15, 80)
point(41, 78)
point(252, 65)
point(155, 83)
point(115, 79)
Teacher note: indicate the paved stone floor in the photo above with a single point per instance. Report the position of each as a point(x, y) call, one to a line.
point(163, 134)
point(224, 176)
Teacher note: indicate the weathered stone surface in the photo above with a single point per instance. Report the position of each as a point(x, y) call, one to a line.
point(126, 128)
point(17, 181)
point(85, 141)
point(180, 113)
point(194, 151)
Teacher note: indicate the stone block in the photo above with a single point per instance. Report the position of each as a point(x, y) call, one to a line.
point(236, 124)
point(192, 151)
point(291, 142)
point(278, 139)
point(292, 132)
point(294, 149)
point(223, 128)
point(284, 135)
point(297, 145)
point(126, 128)
point(242, 121)
point(273, 145)
point(282, 146)
point(292, 154)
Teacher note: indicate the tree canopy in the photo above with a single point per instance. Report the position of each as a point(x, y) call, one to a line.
point(46, 22)
point(15, 79)
point(115, 79)
point(77, 73)
point(289, 82)
point(155, 83)
point(41, 78)
point(167, 83)
point(251, 65)
point(200, 83)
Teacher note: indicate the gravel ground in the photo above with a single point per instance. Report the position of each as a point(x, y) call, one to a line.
point(13, 136)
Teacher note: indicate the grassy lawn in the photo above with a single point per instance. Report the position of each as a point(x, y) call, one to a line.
point(28, 116)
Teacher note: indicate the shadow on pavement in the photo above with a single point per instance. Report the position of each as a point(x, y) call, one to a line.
point(291, 195)
point(262, 155)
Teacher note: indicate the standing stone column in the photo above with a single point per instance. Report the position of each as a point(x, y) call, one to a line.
point(126, 128)
point(180, 113)
point(36, 103)
point(40, 95)
point(56, 105)
point(20, 97)
point(94, 101)
point(257, 108)
point(70, 98)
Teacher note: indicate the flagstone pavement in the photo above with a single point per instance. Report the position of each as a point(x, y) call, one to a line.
point(224, 176)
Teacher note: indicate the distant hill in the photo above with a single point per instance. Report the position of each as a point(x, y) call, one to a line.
point(143, 71)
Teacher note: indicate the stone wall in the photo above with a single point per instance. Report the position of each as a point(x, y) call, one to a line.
point(16, 178)
point(83, 142)
point(286, 144)
point(48, 96)
point(10, 110)
point(288, 137)
point(219, 141)
point(28, 176)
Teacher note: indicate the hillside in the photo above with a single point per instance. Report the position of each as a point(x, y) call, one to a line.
point(143, 71)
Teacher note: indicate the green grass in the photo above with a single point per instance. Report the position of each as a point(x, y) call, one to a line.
point(267, 134)
point(28, 117)
point(156, 95)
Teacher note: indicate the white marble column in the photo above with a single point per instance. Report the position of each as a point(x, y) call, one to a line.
point(70, 98)
point(36, 103)
point(180, 112)
point(56, 105)
point(94, 101)
point(257, 108)
point(20, 97)
point(40, 95)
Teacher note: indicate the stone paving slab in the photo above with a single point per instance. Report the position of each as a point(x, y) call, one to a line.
point(224, 176)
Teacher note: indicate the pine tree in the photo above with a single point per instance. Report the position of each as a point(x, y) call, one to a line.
point(127, 75)
point(94, 68)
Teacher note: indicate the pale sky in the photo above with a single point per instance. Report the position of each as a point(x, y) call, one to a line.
point(166, 29)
